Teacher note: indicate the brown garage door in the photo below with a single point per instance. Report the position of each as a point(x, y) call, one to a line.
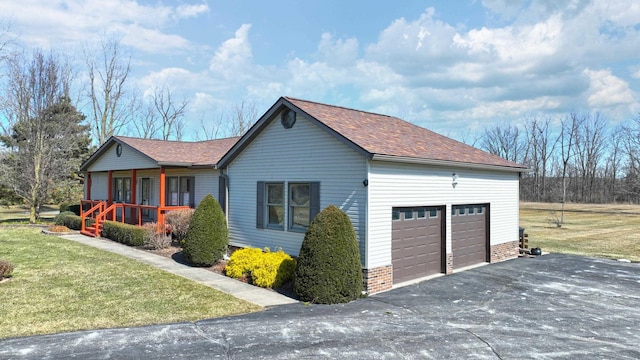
point(468, 235)
point(417, 242)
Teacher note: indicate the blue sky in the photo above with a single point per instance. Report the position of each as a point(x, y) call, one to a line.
point(455, 67)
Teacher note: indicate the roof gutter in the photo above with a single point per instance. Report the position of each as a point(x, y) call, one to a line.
point(178, 164)
point(447, 163)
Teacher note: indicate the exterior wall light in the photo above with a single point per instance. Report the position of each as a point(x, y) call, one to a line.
point(454, 180)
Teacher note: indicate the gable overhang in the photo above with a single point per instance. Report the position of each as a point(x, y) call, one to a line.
point(106, 146)
point(448, 163)
point(270, 116)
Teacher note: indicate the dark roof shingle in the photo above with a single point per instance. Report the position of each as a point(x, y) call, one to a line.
point(199, 153)
point(386, 135)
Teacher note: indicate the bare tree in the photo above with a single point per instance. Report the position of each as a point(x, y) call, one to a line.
point(505, 142)
point(541, 146)
point(47, 140)
point(569, 128)
point(170, 113)
point(613, 163)
point(589, 148)
point(244, 115)
point(632, 150)
point(146, 122)
point(108, 73)
point(211, 127)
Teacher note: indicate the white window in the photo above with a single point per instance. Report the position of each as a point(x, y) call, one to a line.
point(122, 190)
point(275, 205)
point(300, 200)
point(299, 203)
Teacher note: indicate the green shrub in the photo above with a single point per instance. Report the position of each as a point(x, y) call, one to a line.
point(267, 269)
point(6, 269)
point(123, 233)
point(328, 269)
point(70, 220)
point(275, 269)
point(64, 207)
point(178, 221)
point(242, 262)
point(208, 236)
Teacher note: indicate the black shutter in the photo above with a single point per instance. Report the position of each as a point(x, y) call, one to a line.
point(260, 205)
point(314, 201)
point(222, 193)
point(192, 194)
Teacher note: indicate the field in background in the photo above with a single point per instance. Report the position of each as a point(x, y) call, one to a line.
point(610, 231)
point(20, 214)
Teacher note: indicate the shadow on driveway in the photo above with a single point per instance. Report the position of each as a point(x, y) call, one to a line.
point(549, 307)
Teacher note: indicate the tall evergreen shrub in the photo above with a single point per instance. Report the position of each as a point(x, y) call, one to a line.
point(208, 236)
point(328, 269)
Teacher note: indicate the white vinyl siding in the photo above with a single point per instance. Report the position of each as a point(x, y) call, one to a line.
point(305, 153)
point(406, 185)
point(99, 186)
point(129, 159)
point(206, 181)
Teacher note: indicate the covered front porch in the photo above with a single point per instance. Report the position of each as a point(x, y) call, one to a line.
point(132, 197)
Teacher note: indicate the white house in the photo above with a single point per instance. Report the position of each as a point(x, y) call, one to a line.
point(420, 203)
point(145, 178)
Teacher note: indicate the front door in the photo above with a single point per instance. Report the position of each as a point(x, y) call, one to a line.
point(146, 194)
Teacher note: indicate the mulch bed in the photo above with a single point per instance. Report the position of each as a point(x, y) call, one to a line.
point(175, 252)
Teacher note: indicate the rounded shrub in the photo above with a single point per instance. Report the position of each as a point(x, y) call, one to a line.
point(328, 269)
point(267, 269)
point(208, 236)
point(242, 262)
point(275, 269)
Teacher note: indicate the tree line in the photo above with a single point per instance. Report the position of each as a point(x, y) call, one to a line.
point(578, 157)
point(54, 114)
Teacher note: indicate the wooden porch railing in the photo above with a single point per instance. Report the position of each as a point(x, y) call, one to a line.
point(100, 212)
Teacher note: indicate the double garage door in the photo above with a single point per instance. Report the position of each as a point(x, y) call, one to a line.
point(418, 246)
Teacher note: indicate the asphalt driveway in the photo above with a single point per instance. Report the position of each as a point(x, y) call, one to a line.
point(549, 307)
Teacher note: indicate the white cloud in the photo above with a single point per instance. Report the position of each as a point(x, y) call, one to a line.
point(233, 57)
point(67, 23)
point(337, 52)
point(607, 90)
point(187, 11)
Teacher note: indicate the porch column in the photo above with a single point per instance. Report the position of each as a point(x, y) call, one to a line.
point(109, 187)
point(88, 184)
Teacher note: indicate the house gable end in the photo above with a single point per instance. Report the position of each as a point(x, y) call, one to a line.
point(117, 155)
point(273, 114)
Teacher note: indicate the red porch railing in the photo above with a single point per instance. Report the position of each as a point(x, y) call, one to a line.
point(124, 213)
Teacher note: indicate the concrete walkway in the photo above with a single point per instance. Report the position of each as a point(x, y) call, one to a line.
point(254, 294)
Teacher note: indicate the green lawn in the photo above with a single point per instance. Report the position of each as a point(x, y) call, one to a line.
point(609, 231)
point(59, 285)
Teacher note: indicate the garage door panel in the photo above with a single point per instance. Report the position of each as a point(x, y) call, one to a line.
point(416, 243)
point(469, 235)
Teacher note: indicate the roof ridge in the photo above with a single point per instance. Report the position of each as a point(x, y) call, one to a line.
point(343, 107)
point(175, 141)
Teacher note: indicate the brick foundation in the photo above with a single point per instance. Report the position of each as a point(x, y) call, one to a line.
point(377, 279)
point(505, 251)
point(449, 268)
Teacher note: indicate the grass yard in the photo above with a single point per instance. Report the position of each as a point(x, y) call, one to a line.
point(610, 231)
point(59, 285)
